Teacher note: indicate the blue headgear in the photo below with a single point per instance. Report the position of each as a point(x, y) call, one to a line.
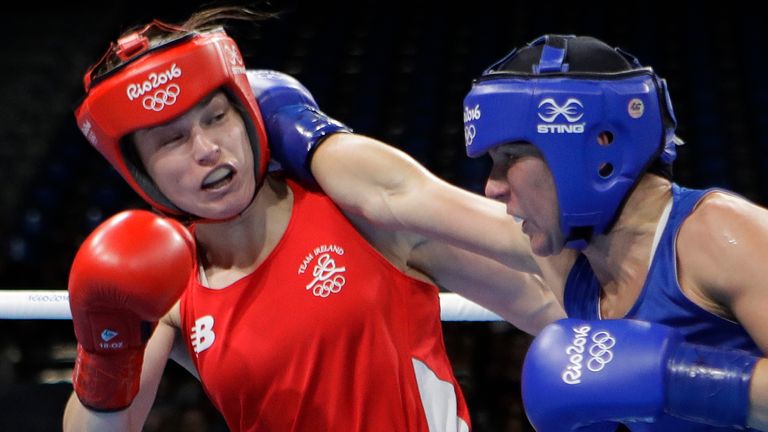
point(562, 113)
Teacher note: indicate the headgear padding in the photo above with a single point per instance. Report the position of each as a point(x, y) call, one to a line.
point(154, 85)
point(562, 109)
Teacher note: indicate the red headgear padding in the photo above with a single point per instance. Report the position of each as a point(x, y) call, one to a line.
point(156, 85)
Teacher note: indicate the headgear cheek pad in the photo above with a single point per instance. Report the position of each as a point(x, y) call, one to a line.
point(596, 132)
point(156, 85)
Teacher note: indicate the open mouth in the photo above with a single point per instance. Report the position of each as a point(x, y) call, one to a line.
point(218, 178)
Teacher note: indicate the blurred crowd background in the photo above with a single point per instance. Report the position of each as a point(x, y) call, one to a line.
point(397, 71)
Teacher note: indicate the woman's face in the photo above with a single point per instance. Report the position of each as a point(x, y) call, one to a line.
point(521, 179)
point(202, 161)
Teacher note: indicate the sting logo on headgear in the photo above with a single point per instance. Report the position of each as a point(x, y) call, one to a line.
point(563, 95)
point(549, 111)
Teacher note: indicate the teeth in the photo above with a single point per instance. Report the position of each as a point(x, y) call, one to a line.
point(517, 219)
point(216, 175)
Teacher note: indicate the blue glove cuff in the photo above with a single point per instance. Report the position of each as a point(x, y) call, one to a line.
point(709, 385)
point(301, 124)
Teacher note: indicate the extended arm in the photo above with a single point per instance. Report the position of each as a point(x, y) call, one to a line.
point(520, 298)
point(391, 189)
point(379, 182)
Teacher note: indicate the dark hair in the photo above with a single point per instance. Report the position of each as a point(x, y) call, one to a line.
point(160, 32)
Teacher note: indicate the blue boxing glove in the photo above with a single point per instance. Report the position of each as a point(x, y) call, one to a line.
point(294, 123)
point(579, 373)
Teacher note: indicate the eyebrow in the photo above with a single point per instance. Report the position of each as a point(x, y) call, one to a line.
point(518, 149)
point(206, 100)
point(203, 102)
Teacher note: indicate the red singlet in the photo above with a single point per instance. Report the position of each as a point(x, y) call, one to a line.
point(325, 335)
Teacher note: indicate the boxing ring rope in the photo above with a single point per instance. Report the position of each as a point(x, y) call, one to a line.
point(54, 304)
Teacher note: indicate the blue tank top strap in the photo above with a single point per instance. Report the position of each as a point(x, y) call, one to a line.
point(582, 291)
point(661, 299)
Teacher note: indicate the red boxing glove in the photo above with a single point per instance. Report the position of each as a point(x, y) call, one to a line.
point(127, 274)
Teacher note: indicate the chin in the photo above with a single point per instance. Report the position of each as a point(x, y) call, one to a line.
point(544, 248)
point(541, 251)
point(221, 213)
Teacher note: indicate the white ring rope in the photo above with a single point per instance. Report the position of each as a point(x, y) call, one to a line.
point(54, 304)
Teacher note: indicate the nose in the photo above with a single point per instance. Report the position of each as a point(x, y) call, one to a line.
point(497, 189)
point(206, 151)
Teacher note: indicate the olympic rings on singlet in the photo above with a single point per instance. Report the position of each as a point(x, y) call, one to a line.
point(329, 286)
point(325, 283)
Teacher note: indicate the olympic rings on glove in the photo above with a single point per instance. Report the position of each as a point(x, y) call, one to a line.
point(600, 353)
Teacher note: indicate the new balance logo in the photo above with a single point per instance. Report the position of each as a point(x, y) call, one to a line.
point(202, 334)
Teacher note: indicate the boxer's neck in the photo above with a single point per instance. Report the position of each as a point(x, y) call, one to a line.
point(620, 258)
point(241, 244)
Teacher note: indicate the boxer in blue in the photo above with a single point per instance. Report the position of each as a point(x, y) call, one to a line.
point(664, 286)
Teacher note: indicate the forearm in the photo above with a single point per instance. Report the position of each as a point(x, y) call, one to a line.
point(520, 298)
point(390, 189)
point(525, 302)
point(758, 396)
point(368, 178)
point(78, 418)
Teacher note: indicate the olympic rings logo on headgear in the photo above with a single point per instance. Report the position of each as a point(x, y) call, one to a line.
point(470, 114)
point(600, 353)
point(161, 98)
point(469, 134)
point(153, 81)
point(550, 108)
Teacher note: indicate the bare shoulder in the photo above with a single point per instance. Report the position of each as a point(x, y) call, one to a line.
point(718, 245)
point(719, 218)
point(727, 203)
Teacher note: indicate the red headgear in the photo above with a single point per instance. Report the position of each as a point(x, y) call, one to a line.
point(157, 84)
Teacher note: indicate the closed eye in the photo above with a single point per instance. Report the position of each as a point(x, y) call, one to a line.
point(220, 116)
point(217, 117)
point(170, 140)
